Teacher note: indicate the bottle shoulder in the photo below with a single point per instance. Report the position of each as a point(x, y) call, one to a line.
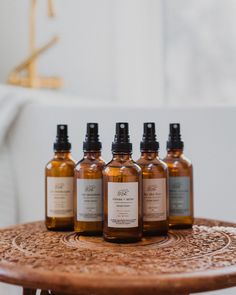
point(60, 168)
point(152, 163)
point(118, 164)
point(178, 161)
point(89, 168)
point(154, 168)
point(60, 163)
point(122, 167)
point(180, 166)
point(86, 162)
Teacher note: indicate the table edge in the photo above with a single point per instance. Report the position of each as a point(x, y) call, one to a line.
point(103, 284)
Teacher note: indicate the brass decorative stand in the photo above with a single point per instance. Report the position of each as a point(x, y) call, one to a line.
point(26, 74)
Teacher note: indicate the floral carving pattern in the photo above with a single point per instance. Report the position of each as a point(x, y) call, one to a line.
point(207, 246)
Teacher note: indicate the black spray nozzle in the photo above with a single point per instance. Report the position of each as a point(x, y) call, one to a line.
point(92, 142)
point(149, 142)
point(62, 142)
point(174, 140)
point(121, 141)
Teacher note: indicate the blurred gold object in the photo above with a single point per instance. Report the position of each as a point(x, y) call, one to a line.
point(26, 74)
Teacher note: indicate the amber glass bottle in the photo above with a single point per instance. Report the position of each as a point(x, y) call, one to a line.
point(88, 186)
point(122, 180)
point(59, 176)
point(180, 181)
point(155, 181)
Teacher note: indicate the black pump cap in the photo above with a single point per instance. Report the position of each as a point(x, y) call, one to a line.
point(121, 141)
point(92, 142)
point(174, 140)
point(62, 143)
point(149, 142)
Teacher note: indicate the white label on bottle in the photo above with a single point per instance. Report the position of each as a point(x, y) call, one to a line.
point(179, 194)
point(123, 204)
point(154, 201)
point(60, 196)
point(89, 200)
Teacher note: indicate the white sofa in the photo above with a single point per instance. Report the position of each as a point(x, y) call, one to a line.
point(208, 134)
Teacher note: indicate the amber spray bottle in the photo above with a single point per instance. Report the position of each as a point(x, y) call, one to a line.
point(88, 186)
point(122, 180)
point(59, 178)
point(180, 181)
point(155, 182)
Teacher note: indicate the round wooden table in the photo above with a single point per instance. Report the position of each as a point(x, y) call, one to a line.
point(186, 261)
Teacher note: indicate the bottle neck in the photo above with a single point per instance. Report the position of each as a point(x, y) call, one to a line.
point(62, 155)
point(175, 153)
point(149, 155)
point(92, 155)
point(121, 156)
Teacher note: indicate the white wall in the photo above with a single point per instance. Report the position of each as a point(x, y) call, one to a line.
point(109, 49)
point(200, 49)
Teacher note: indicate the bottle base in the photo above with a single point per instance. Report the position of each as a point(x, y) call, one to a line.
point(181, 226)
point(59, 224)
point(89, 233)
point(181, 222)
point(155, 233)
point(88, 228)
point(155, 228)
point(122, 240)
point(69, 229)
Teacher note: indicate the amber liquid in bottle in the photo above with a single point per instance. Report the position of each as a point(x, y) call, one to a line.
point(180, 182)
point(88, 198)
point(122, 180)
point(59, 178)
point(155, 184)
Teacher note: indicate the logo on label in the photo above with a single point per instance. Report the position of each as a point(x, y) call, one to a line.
point(176, 185)
point(59, 186)
point(152, 188)
point(90, 188)
point(122, 192)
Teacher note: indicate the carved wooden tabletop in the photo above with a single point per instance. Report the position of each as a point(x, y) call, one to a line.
point(186, 261)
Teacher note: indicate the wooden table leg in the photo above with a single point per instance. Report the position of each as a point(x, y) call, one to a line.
point(27, 291)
